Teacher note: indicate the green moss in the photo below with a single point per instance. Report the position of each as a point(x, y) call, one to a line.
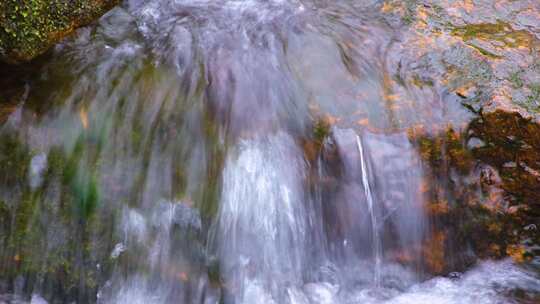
point(469, 183)
point(512, 138)
point(321, 129)
point(55, 162)
point(486, 52)
point(431, 150)
point(516, 81)
point(472, 31)
point(14, 160)
point(459, 156)
point(214, 273)
point(421, 82)
point(66, 207)
point(439, 10)
point(80, 180)
point(535, 94)
point(24, 214)
point(84, 193)
point(500, 31)
point(5, 220)
point(410, 12)
point(407, 19)
point(532, 101)
point(29, 27)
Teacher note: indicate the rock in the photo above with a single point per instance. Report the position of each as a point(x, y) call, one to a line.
point(37, 299)
point(491, 208)
point(486, 54)
point(117, 251)
point(455, 275)
point(14, 85)
point(483, 173)
point(28, 28)
point(186, 217)
point(37, 166)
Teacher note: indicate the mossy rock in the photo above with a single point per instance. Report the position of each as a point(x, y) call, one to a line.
point(29, 27)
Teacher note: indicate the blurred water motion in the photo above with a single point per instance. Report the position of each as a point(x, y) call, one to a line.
point(198, 151)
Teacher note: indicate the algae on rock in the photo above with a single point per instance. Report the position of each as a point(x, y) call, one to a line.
point(29, 27)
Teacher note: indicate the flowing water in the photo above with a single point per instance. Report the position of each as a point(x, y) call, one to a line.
point(179, 151)
point(376, 243)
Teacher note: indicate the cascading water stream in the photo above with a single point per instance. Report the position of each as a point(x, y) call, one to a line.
point(261, 226)
point(377, 247)
point(236, 152)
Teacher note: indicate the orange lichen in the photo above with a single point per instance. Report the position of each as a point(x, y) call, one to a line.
point(439, 208)
point(434, 252)
point(83, 115)
point(516, 252)
point(495, 227)
point(363, 122)
point(494, 250)
point(387, 7)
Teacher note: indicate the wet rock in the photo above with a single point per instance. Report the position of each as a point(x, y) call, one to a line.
point(29, 28)
point(482, 198)
point(37, 299)
point(514, 139)
point(455, 275)
point(486, 54)
point(186, 217)
point(117, 251)
point(37, 166)
point(14, 86)
point(480, 175)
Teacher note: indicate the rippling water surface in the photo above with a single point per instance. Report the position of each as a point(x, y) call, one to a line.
point(232, 151)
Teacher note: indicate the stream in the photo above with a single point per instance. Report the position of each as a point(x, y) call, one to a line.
point(237, 152)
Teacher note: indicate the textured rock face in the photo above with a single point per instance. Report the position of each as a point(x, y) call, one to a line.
point(29, 27)
point(484, 52)
point(482, 190)
point(482, 174)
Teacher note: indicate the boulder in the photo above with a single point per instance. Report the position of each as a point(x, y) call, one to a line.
point(28, 28)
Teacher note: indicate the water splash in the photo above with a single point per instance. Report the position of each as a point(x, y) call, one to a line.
point(261, 229)
point(164, 257)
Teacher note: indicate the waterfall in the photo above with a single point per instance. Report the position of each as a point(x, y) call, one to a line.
point(261, 228)
point(174, 153)
point(377, 249)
